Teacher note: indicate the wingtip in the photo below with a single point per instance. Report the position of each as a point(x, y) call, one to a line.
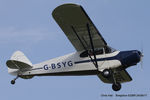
point(63, 6)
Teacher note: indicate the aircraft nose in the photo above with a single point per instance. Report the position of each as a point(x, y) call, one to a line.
point(132, 58)
point(136, 56)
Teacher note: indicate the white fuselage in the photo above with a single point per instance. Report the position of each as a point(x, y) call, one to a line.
point(73, 63)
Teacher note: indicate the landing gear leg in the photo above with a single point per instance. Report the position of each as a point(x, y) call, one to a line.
point(116, 86)
point(13, 81)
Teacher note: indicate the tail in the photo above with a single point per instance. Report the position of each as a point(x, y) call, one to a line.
point(19, 56)
point(18, 62)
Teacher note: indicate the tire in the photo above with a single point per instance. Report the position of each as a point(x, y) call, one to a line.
point(12, 82)
point(116, 87)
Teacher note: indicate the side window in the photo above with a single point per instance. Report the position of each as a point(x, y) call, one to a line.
point(84, 54)
point(89, 52)
point(100, 51)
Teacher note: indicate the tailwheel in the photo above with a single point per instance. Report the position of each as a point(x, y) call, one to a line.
point(107, 73)
point(116, 86)
point(13, 81)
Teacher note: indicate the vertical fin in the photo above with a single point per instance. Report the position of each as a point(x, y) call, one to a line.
point(19, 56)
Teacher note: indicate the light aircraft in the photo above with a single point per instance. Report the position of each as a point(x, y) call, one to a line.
point(93, 56)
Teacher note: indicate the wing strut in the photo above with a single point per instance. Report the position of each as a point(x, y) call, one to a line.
point(91, 41)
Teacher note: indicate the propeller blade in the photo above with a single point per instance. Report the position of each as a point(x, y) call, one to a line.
point(141, 62)
point(142, 55)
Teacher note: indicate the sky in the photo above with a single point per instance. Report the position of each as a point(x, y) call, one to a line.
point(28, 26)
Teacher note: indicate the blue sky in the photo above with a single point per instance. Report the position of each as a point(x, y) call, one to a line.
point(28, 26)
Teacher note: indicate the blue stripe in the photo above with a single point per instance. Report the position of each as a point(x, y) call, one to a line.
point(99, 59)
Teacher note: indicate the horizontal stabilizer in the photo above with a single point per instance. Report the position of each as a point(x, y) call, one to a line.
point(13, 64)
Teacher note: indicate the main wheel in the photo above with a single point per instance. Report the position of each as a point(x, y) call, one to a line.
point(107, 73)
point(116, 86)
point(12, 81)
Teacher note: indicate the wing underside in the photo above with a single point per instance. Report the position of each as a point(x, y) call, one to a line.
point(73, 20)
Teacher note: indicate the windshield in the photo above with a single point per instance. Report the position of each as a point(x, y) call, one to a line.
point(109, 49)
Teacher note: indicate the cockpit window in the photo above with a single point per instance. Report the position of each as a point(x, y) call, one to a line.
point(98, 51)
point(109, 49)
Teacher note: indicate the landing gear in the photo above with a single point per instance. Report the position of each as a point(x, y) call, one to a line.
point(110, 74)
point(116, 86)
point(107, 73)
point(13, 81)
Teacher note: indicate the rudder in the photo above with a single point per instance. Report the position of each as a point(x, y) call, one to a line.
point(19, 56)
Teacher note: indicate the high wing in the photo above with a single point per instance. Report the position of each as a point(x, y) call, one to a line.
point(73, 20)
point(120, 76)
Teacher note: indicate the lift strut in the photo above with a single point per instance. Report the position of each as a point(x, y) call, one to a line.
point(91, 42)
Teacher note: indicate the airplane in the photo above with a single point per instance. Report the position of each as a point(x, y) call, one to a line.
point(93, 55)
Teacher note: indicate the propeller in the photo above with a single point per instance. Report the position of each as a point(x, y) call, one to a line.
point(141, 55)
